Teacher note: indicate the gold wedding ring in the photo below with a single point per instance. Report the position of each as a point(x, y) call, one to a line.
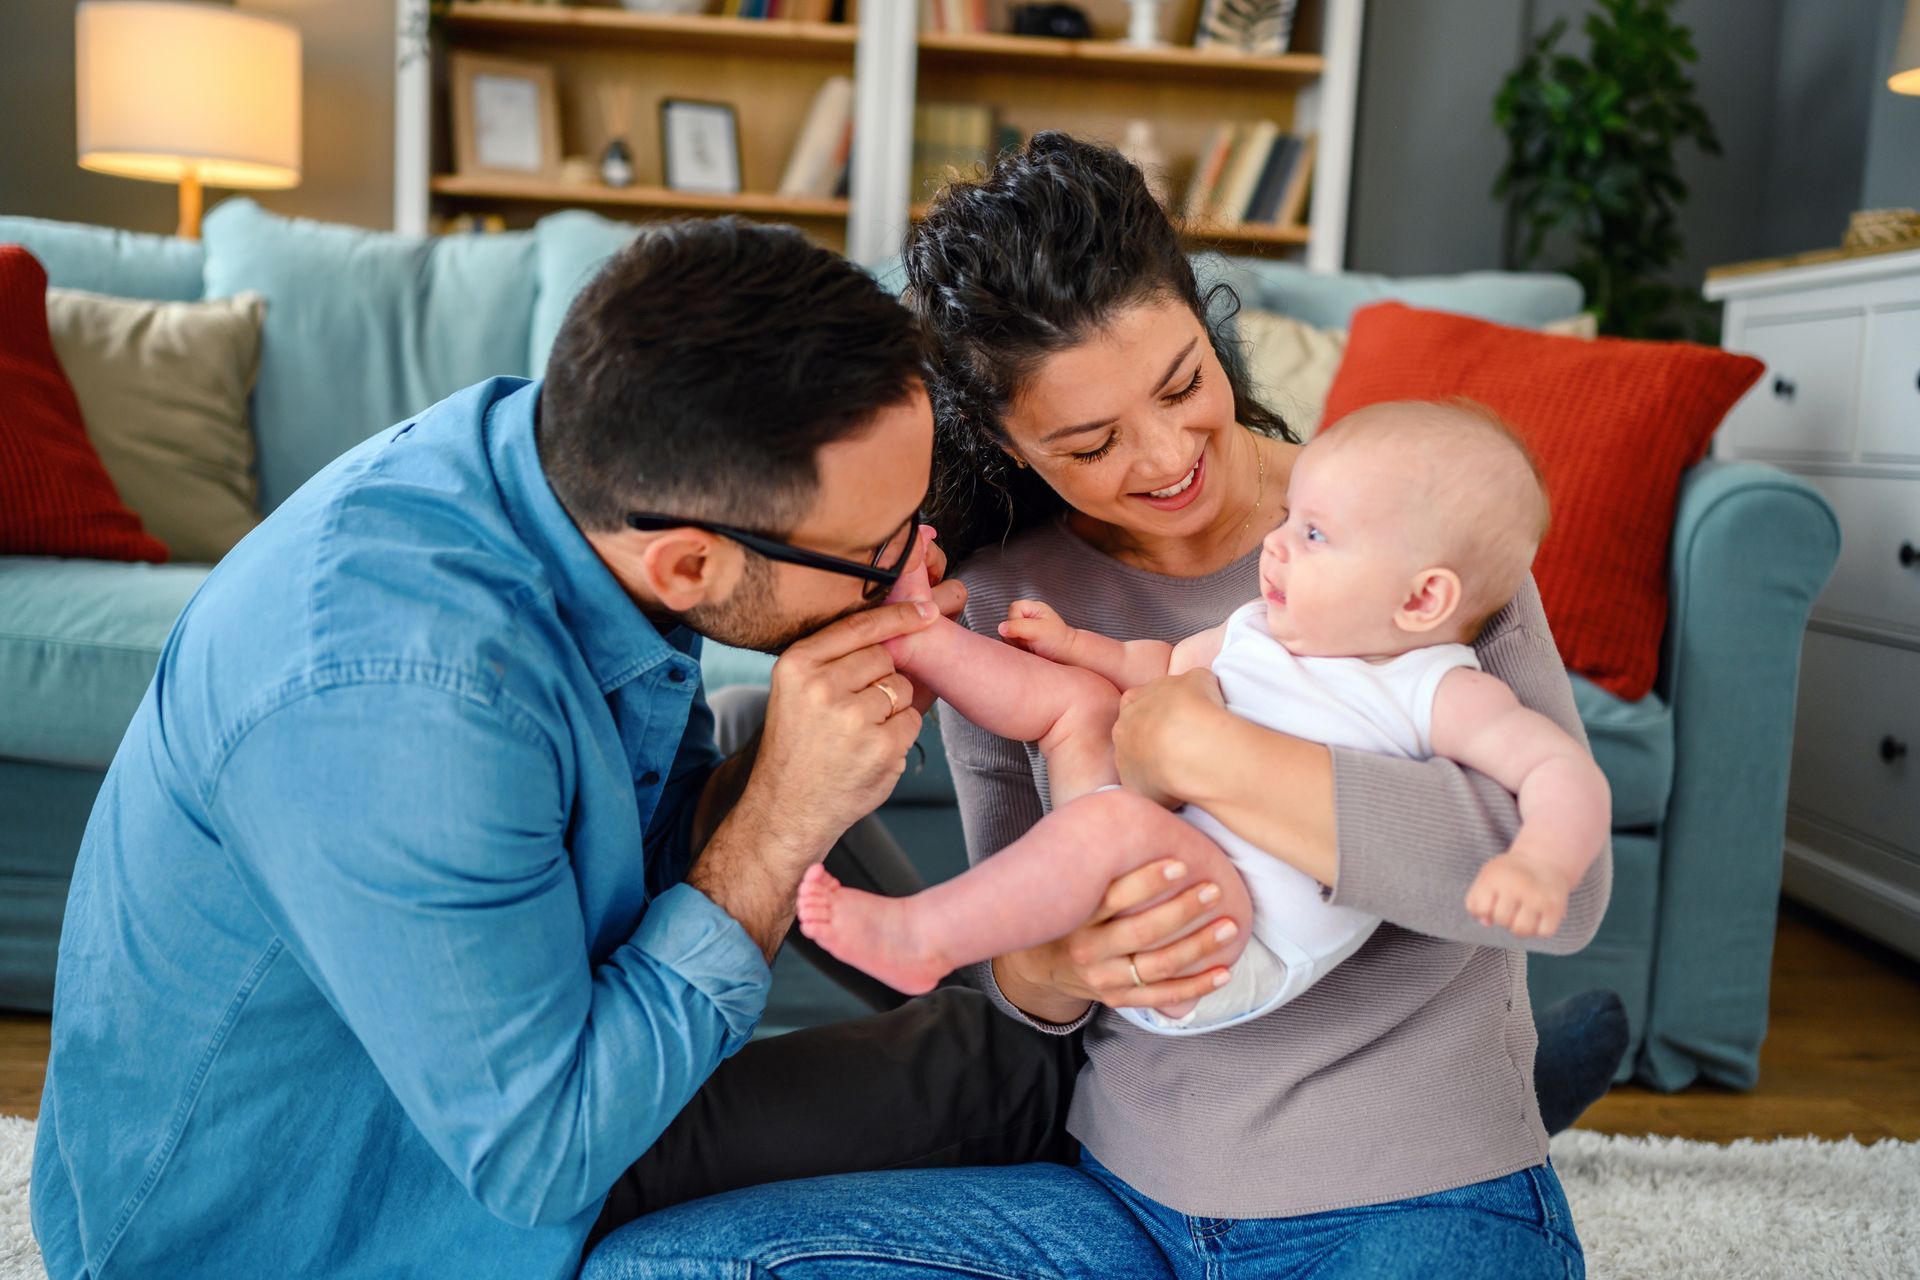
point(1134, 969)
point(893, 699)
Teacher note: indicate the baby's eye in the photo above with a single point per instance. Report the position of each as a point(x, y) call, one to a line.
point(1314, 534)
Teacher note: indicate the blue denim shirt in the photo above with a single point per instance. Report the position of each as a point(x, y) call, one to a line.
point(377, 961)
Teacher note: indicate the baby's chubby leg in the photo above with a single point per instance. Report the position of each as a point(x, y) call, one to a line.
point(1069, 712)
point(1041, 887)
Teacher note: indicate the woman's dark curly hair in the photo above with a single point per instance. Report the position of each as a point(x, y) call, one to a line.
point(1040, 254)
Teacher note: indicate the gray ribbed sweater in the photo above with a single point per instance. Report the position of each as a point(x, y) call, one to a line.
point(1409, 1068)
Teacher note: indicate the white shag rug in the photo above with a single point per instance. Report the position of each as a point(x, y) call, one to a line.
point(1791, 1209)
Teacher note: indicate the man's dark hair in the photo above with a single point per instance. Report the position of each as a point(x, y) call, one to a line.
point(702, 369)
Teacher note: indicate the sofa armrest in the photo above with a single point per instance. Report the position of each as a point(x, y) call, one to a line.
point(1752, 548)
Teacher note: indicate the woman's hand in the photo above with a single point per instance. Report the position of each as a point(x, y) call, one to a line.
point(1164, 728)
point(1054, 982)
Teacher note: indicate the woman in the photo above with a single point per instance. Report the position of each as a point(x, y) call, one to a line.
point(1094, 439)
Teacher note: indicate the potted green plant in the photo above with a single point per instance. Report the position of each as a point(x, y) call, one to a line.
point(1591, 145)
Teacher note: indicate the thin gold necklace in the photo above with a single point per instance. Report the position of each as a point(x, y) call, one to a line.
point(1260, 487)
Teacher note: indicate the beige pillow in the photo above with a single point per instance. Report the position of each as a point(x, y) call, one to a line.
point(163, 389)
point(1291, 363)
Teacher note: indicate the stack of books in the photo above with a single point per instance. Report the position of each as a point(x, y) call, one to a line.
point(1250, 172)
point(949, 139)
point(818, 165)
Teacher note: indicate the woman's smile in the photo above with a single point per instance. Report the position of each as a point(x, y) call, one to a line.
point(1181, 492)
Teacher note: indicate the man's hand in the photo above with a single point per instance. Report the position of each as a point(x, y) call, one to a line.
point(1163, 725)
point(839, 722)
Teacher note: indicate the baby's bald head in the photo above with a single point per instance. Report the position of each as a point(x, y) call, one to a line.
point(1469, 490)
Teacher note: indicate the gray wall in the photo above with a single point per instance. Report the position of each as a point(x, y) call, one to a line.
point(347, 52)
point(1795, 88)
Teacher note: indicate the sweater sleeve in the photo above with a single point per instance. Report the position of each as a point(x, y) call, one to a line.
point(1414, 833)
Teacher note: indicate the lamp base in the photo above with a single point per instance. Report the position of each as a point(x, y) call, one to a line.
point(190, 205)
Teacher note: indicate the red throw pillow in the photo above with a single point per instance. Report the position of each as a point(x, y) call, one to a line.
point(1613, 423)
point(55, 497)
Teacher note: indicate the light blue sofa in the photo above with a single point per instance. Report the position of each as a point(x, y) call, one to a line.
point(364, 328)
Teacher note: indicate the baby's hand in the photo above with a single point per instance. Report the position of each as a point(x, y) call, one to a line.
point(1035, 627)
point(1520, 894)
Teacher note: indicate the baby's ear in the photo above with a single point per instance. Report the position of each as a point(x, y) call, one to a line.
point(1432, 598)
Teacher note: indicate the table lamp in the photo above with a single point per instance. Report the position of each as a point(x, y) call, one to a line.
point(189, 93)
point(1906, 53)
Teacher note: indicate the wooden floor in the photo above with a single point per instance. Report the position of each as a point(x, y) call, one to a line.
point(1843, 1056)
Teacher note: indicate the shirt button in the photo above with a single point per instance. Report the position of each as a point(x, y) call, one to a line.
point(648, 778)
point(676, 675)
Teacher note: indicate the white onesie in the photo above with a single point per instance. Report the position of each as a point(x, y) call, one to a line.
point(1342, 702)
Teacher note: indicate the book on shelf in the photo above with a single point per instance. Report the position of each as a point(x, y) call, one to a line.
point(1206, 171)
point(950, 138)
point(965, 17)
point(790, 10)
point(1293, 204)
point(819, 158)
point(1250, 173)
point(1250, 152)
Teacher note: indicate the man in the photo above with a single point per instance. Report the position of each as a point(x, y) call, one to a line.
point(388, 949)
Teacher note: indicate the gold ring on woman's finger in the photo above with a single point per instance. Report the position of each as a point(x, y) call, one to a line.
point(1134, 969)
point(893, 699)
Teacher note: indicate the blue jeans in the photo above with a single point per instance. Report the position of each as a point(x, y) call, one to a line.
point(1026, 1222)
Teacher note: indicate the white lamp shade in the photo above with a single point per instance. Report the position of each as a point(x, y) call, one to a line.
point(169, 90)
point(1906, 53)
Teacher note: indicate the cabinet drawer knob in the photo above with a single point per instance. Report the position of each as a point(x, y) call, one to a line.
point(1891, 748)
point(1908, 554)
point(1783, 387)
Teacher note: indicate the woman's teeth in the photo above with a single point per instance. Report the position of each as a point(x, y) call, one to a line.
point(1175, 490)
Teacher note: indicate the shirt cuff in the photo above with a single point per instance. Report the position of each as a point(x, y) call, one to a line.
point(983, 978)
point(686, 931)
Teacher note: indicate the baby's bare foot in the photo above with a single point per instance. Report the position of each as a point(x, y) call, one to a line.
point(874, 934)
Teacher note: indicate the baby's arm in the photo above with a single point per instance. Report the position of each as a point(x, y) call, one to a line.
point(1565, 803)
point(1126, 664)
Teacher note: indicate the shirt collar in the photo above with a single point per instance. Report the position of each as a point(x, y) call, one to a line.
point(618, 641)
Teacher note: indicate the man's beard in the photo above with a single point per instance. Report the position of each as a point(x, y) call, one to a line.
point(749, 619)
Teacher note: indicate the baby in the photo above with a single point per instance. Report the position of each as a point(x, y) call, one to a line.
point(1408, 526)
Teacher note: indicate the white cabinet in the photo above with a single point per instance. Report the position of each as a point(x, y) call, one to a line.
point(1839, 406)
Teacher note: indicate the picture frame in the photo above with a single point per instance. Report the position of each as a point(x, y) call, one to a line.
point(700, 146)
point(506, 117)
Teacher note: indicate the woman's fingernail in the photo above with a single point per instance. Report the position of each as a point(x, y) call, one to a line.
point(1225, 931)
point(1175, 870)
point(925, 608)
point(1220, 978)
point(1209, 893)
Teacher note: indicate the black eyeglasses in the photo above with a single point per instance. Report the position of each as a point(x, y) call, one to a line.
point(878, 577)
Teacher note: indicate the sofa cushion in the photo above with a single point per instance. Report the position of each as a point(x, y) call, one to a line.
point(1633, 743)
point(364, 328)
point(1614, 424)
point(1328, 300)
point(125, 264)
point(79, 640)
point(568, 248)
point(56, 498)
point(163, 389)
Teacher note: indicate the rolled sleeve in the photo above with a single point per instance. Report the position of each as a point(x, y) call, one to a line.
point(686, 932)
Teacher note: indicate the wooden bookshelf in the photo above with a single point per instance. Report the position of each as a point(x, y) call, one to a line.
point(771, 70)
point(563, 194)
point(658, 32)
point(1032, 55)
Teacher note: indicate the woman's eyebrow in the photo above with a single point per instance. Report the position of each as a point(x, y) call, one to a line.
point(1165, 378)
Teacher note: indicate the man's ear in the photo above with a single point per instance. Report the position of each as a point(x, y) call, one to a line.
point(1432, 598)
point(686, 568)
